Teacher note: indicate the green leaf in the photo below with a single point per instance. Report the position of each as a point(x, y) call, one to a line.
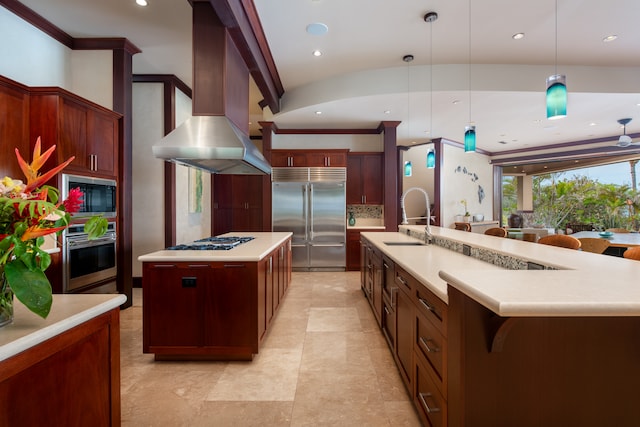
point(32, 288)
point(95, 227)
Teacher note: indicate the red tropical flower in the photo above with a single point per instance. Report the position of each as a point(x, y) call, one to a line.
point(74, 201)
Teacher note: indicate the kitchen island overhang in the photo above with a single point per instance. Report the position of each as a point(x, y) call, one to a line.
point(214, 304)
point(551, 347)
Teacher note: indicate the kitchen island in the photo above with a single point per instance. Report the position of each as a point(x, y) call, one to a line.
point(480, 342)
point(63, 370)
point(214, 304)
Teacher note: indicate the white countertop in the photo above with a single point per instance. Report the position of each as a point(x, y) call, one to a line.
point(67, 311)
point(252, 251)
point(586, 284)
point(419, 261)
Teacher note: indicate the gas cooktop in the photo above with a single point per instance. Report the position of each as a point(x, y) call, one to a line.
point(218, 243)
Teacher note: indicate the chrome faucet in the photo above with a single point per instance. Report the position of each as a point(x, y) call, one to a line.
point(427, 228)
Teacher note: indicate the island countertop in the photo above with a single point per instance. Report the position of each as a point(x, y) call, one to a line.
point(583, 284)
point(252, 251)
point(67, 311)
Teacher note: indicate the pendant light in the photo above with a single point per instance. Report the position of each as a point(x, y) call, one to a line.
point(556, 85)
point(431, 154)
point(431, 158)
point(470, 129)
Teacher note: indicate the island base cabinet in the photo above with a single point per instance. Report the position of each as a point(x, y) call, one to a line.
point(72, 379)
point(212, 310)
point(205, 309)
point(431, 405)
point(533, 372)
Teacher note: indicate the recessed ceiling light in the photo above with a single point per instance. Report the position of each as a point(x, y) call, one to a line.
point(141, 2)
point(318, 113)
point(610, 38)
point(317, 29)
point(517, 36)
point(593, 124)
point(387, 111)
point(317, 53)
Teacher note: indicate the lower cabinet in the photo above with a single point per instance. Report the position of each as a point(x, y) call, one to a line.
point(353, 248)
point(414, 322)
point(211, 310)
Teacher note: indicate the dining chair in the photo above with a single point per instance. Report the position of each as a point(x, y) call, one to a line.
point(464, 226)
point(617, 230)
point(560, 240)
point(496, 231)
point(592, 244)
point(632, 253)
point(530, 237)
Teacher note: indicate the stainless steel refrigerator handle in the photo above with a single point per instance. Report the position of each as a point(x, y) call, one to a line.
point(305, 213)
point(327, 245)
point(311, 211)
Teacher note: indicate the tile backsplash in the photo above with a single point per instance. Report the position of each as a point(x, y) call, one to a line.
point(367, 215)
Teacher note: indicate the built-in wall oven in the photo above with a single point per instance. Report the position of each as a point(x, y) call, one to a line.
point(87, 262)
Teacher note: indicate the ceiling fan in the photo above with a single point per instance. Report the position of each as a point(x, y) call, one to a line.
point(625, 140)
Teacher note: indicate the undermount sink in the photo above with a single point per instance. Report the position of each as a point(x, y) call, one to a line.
point(403, 243)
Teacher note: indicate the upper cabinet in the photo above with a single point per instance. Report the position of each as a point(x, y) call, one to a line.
point(14, 127)
point(78, 128)
point(309, 158)
point(365, 179)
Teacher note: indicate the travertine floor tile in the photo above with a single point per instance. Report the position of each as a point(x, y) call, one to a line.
point(324, 362)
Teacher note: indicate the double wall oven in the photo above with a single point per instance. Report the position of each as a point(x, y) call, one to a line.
point(89, 262)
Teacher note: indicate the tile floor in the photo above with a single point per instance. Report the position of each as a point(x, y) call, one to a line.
point(324, 362)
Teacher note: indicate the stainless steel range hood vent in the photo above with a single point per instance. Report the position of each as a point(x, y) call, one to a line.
point(214, 144)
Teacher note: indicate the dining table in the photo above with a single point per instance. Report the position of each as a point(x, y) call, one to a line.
point(616, 240)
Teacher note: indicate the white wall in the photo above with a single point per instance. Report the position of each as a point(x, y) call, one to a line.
point(190, 226)
point(463, 176)
point(147, 172)
point(421, 177)
point(356, 142)
point(32, 58)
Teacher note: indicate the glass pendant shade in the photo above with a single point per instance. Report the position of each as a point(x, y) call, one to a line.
point(556, 97)
point(431, 159)
point(407, 169)
point(469, 139)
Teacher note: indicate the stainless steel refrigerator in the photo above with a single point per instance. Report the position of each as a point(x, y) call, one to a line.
point(311, 203)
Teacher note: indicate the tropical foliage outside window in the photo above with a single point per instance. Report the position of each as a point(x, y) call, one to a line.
point(560, 198)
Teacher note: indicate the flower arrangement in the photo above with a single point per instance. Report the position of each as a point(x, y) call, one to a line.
point(466, 210)
point(28, 212)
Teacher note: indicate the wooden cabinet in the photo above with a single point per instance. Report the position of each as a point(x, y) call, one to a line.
point(414, 321)
point(78, 128)
point(309, 158)
point(237, 203)
point(80, 365)
point(365, 179)
point(14, 128)
point(211, 310)
point(405, 318)
point(389, 291)
point(354, 256)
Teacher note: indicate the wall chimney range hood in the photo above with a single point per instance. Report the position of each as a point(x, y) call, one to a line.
point(215, 137)
point(214, 144)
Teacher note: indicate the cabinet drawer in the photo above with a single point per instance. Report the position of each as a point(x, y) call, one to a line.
point(431, 344)
point(430, 403)
point(432, 307)
point(404, 281)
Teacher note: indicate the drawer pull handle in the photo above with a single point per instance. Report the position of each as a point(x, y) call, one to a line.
point(423, 399)
point(402, 281)
point(426, 304)
point(425, 341)
point(430, 307)
point(386, 310)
